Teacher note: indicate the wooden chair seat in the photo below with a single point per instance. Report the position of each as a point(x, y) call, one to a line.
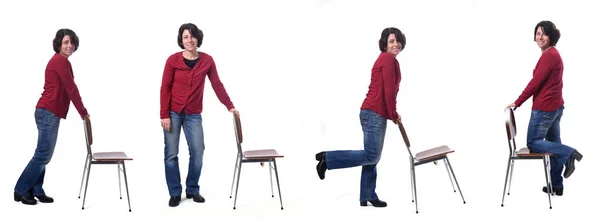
point(433, 153)
point(108, 156)
point(528, 153)
point(262, 154)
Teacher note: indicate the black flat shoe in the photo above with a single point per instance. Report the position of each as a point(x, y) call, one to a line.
point(570, 165)
point(375, 203)
point(45, 199)
point(25, 200)
point(197, 197)
point(557, 191)
point(320, 156)
point(322, 165)
point(174, 201)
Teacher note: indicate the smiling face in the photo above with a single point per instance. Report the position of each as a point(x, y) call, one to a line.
point(67, 47)
point(189, 42)
point(542, 40)
point(393, 45)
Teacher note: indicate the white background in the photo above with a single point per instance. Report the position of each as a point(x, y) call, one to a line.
point(298, 72)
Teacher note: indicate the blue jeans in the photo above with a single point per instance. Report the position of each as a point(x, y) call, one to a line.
point(32, 179)
point(373, 126)
point(194, 134)
point(543, 136)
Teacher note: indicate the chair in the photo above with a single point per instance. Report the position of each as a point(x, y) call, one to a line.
point(521, 154)
point(117, 158)
point(428, 156)
point(252, 156)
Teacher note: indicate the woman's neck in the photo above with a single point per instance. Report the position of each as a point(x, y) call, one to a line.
point(546, 49)
point(190, 55)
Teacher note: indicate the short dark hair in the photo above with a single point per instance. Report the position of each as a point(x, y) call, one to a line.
point(386, 33)
point(194, 30)
point(60, 34)
point(550, 30)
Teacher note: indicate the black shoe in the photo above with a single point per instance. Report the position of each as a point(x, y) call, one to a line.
point(45, 199)
point(197, 197)
point(570, 165)
point(320, 156)
point(174, 201)
point(375, 203)
point(557, 191)
point(322, 165)
point(24, 199)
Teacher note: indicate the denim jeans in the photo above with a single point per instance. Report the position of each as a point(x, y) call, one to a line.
point(32, 179)
point(373, 126)
point(194, 134)
point(543, 136)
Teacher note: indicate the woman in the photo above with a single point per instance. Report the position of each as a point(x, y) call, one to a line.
point(378, 107)
point(543, 134)
point(181, 107)
point(59, 90)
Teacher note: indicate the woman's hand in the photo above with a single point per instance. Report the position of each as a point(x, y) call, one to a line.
point(512, 105)
point(233, 110)
point(166, 124)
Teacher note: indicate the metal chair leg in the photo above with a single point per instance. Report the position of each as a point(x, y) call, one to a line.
point(271, 178)
point(126, 185)
point(412, 186)
point(512, 169)
point(547, 181)
point(548, 166)
point(237, 186)
point(455, 180)
point(506, 180)
point(87, 180)
point(119, 172)
point(449, 176)
point(278, 187)
point(415, 187)
point(235, 170)
point(87, 158)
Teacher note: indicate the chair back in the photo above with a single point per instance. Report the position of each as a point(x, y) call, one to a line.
point(511, 128)
point(239, 138)
point(87, 126)
point(405, 138)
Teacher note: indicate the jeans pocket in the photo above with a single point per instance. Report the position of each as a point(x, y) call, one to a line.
point(39, 115)
point(364, 119)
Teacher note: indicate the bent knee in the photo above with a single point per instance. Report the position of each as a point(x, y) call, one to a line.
point(372, 158)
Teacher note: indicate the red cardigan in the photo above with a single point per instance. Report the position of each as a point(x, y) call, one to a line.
point(60, 88)
point(183, 88)
point(385, 83)
point(546, 84)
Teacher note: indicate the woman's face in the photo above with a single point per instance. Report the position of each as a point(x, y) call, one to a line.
point(67, 47)
point(542, 40)
point(189, 42)
point(393, 45)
